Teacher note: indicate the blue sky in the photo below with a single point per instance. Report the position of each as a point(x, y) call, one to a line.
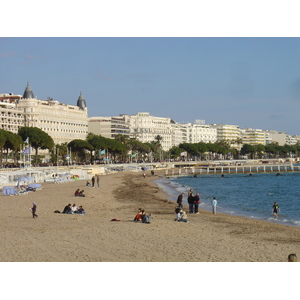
point(250, 82)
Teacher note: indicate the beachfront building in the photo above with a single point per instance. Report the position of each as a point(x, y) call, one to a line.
point(273, 136)
point(146, 128)
point(198, 132)
point(179, 134)
point(228, 133)
point(62, 122)
point(291, 140)
point(11, 118)
point(108, 127)
point(253, 136)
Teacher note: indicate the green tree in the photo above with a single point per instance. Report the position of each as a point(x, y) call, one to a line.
point(79, 147)
point(3, 138)
point(248, 149)
point(38, 139)
point(13, 142)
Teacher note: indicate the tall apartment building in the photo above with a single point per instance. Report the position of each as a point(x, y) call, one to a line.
point(275, 136)
point(145, 128)
point(229, 133)
point(253, 136)
point(108, 127)
point(11, 118)
point(195, 133)
point(62, 122)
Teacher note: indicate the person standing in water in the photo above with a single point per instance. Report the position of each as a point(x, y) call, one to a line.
point(275, 210)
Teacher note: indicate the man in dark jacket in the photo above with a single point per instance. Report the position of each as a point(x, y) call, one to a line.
point(179, 200)
point(191, 201)
point(67, 209)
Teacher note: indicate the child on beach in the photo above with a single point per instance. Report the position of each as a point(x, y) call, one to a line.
point(214, 205)
point(181, 216)
point(275, 210)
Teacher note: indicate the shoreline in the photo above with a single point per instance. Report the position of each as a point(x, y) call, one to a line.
point(95, 238)
point(172, 193)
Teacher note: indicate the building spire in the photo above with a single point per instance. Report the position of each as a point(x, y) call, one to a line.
point(28, 93)
point(81, 101)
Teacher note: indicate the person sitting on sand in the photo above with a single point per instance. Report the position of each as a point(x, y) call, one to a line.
point(67, 209)
point(81, 193)
point(88, 183)
point(81, 210)
point(77, 192)
point(74, 208)
point(139, 216)
point(181, 216)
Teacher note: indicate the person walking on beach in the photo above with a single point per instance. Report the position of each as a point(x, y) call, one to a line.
point(33, 210)
point(196, 203)
point(214, 205)
point(179, 200)
point(275, 210)
point(191, 201)
point(98, 180)
point(93, 181)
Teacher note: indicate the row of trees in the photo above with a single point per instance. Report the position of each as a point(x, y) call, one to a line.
point(123, 148)
point(223, 149)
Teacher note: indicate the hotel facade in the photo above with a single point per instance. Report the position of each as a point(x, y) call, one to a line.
point(62, 122)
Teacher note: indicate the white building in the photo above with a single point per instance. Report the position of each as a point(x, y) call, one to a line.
point(108, 127)
point(195, 133)
point(145, 128)
point(228, 133)
point(62, 122)
point(11, 118)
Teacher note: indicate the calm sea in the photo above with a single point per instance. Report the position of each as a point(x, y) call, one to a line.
point(244, 195)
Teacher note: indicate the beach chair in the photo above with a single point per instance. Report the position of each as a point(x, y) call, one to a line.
point(9, 191)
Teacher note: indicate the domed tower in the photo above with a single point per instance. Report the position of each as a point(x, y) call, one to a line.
point(81, 102)
point(28, 93)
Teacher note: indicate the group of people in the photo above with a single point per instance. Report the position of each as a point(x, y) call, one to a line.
point(141, 216)
point(95, 178)
point(194, 202)
point(79, 193)
point(73, 209)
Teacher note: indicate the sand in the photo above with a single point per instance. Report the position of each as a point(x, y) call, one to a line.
point(93, 237)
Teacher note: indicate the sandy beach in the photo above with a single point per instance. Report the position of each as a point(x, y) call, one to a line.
point(54, 237)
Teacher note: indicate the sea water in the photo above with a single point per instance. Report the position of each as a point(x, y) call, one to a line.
point(242, 194)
